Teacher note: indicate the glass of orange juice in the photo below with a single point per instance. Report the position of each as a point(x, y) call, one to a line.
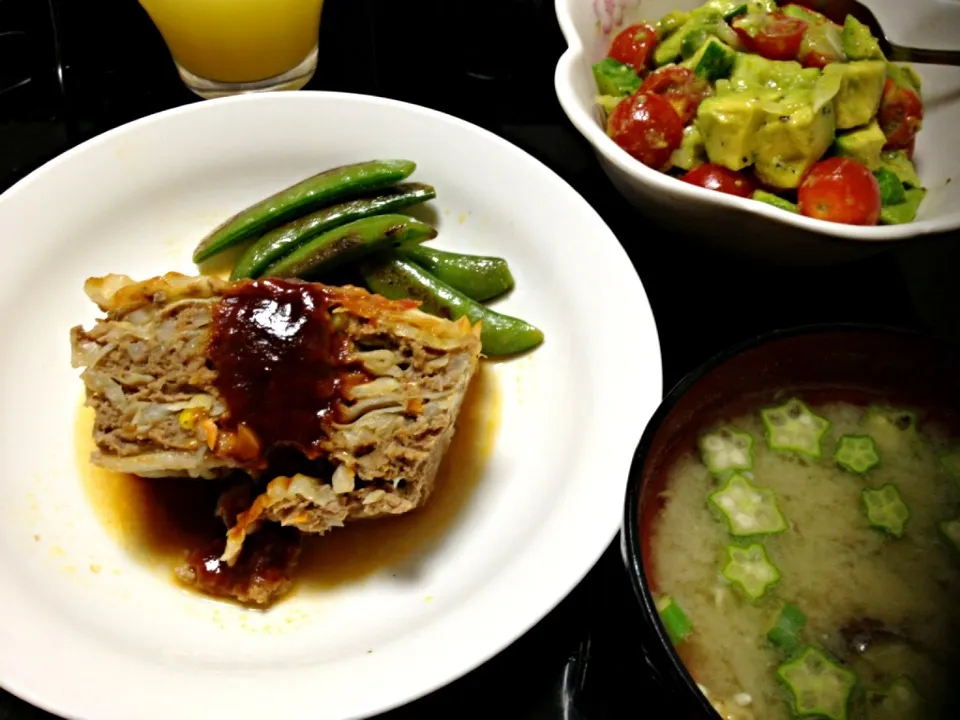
point(226, 47)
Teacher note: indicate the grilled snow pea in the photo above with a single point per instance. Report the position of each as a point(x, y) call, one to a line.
point(726, 449)
point(794, 427)
point(748, 509)
point(885, 510)
point(396, 278)
point(750, 569)
point(786, 628)
point(675, 621)
point(287, 238)
point(350, 242)
point(301, 198)
point(856, 453)
point(819, 686)
point(479, 277)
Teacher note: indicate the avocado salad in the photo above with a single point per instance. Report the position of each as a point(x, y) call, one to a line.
point(778, 104)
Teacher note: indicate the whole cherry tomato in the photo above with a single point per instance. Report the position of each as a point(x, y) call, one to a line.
point(772, 35)
point(900, 114)
point(647, 127)
point(679, 86)
point(721, 179)
point(841, 190)
point(633, 47)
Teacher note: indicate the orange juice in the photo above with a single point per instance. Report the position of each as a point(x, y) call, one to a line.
point(237, 41)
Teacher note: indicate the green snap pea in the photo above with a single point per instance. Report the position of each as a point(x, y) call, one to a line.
point(396, 278)
point(479, 277)
point(350, 242)
point(285, 239)
point(303, 197)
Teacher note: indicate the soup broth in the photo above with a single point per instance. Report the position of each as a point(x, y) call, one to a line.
point(792, 534)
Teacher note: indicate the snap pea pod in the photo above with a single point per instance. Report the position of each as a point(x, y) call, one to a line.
point(298, 199)
point(479, 277)
point(350, 242)
point(396, 278)
point(285, 239)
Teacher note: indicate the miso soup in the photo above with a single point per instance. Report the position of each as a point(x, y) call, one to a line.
point(806, 562)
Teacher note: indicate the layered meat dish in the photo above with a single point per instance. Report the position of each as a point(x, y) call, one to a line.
point(313, 405)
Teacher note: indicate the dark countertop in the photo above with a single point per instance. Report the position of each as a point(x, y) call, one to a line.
point(103, 64)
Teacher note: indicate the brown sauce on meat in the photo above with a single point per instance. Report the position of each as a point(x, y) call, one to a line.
point(161, 521)
point(280, 362)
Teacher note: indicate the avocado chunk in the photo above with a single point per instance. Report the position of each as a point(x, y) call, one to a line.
point(861, 87)
point(863, 144)
point(775, 200)
point(906, 77)
point(794, 136)
point(802, 13)
point(729, 125)
point(904, 212)
point(701, 24)
point(669, 23)
point(902, 167)
point(713, 61)
point(752, 72)
point(692, 151)
point(615, 78)
point(858, 42)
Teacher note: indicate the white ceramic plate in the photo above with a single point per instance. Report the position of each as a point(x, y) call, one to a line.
point(88, 631)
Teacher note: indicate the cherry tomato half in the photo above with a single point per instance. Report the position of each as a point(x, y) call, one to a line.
point(900, 114)
point(633, 47)
point(841, 190)
point(679, 86)
point(721, 179)
point(772, 35)
point(647, 127)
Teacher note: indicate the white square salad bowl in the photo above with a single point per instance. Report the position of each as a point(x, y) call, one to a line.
point(747, 226)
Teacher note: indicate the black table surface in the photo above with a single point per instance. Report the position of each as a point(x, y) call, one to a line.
point(70, 70)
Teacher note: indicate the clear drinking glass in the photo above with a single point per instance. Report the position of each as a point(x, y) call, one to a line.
point(226, 47)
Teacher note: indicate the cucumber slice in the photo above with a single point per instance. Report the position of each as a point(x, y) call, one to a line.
point(794, 427)
point(891, 189)
point(775, 200)
point(748, 510)
point(675, 621)
point(786, 629)
point(713, 61)
point(819, 687)
point(615, 78)
point(726, 449)
point(885, 510)
point(856, 453)
point(750, 570)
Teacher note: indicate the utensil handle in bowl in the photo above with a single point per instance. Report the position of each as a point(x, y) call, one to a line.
point(899, 53)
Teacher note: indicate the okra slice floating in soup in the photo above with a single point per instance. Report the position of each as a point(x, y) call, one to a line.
point(885, 510)
point(795, 428)
point(856, 453)
point(819, 687)
point(726, 449)
point(750, 569)
point(748, 509)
